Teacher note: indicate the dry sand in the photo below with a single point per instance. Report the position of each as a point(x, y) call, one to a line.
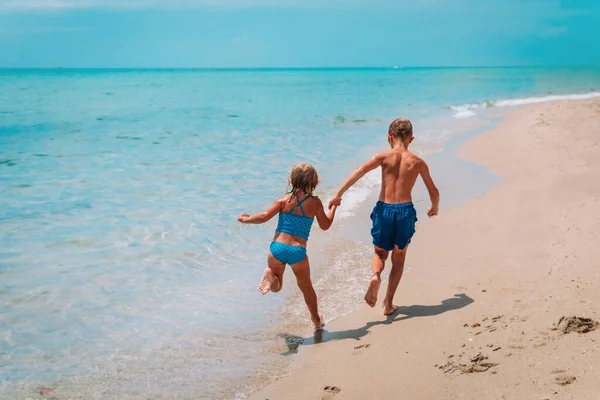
point(489, 280)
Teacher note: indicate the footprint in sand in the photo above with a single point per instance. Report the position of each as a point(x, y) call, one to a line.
point(564, 379)
point(330, 391)
point(515, 343)
point(575, 324)
point(360, 349)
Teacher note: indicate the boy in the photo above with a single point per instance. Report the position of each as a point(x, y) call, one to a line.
point(394, 216)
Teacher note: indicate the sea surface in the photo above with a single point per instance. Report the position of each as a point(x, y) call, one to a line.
point(123, 271)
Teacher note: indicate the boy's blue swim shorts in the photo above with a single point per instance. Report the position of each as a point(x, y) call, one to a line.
point(393, 224)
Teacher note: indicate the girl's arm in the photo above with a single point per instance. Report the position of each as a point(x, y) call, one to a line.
point(325, 220)
point(262, 217)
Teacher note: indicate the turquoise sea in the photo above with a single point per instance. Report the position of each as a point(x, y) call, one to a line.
point(123, 271)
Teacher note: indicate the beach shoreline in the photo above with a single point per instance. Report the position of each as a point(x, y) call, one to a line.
point(133, 286)
point(493, 302)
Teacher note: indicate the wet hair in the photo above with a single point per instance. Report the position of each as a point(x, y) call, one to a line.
point(303, 177)
point(401, 128)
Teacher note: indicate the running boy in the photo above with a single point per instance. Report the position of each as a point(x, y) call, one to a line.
point(394, 215)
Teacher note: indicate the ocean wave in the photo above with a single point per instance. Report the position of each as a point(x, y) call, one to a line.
point(465, 111)
point(545, 99)
point(469, 110)
point(357, 194)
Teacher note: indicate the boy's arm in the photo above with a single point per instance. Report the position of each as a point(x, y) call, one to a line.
point(434, 193)
point(262, 217)
point(325, 220)
point(354, 177)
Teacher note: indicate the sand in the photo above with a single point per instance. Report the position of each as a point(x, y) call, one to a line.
point(490, 281)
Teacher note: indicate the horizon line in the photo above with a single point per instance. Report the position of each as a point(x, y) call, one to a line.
point(399, 67)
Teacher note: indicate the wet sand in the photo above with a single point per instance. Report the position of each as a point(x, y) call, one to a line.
point(490, 279)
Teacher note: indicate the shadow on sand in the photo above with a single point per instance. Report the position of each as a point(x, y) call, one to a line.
point(404, 312)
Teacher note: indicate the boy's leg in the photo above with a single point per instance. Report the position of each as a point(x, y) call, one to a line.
point(272, 279)
point(302, 272)
point(398, 258)
point(378, 263)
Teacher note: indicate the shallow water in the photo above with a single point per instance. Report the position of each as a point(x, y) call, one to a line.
point(123, 271)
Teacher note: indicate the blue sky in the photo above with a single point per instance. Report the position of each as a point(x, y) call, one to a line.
point(298, 33)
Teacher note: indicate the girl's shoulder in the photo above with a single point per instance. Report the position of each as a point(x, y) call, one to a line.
point(292, 198)
point(288, 201)
point(315, 199)
point(313, 203)
point(285, 201)
point(286, 198)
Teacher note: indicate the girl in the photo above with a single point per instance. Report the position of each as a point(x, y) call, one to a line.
point(297, 210)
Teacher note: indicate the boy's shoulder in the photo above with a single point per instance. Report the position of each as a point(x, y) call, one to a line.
point(384, 154)
point(406, 154)
point(413, 157)
point(416, 162)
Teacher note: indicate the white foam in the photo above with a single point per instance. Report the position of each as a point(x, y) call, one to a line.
point(545, 99)
point(359, 193)
point(342, 283)
point(469, 110)
point(465, 111)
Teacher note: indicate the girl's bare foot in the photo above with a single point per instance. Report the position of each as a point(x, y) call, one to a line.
point(319, 324)
point(373, 291)
point(267, 280)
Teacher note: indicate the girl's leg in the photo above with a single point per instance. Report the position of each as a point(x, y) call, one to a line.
point(272, 279)
point(302, 272)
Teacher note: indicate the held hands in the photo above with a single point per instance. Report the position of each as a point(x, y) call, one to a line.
point(243, 217)
point(335, 202)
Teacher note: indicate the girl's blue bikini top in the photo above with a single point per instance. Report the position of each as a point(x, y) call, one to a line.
point(296, 225)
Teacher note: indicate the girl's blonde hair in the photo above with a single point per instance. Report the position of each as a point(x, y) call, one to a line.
point(303, 177)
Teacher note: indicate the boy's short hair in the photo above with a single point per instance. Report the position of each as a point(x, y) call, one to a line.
point(401, 128)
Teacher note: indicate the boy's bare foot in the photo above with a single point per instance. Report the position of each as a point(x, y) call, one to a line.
point(319, 324)
point(373, 291)
point(389, 309)
point(267, 280)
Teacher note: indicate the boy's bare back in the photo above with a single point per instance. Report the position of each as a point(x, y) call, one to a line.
point(399, 171)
